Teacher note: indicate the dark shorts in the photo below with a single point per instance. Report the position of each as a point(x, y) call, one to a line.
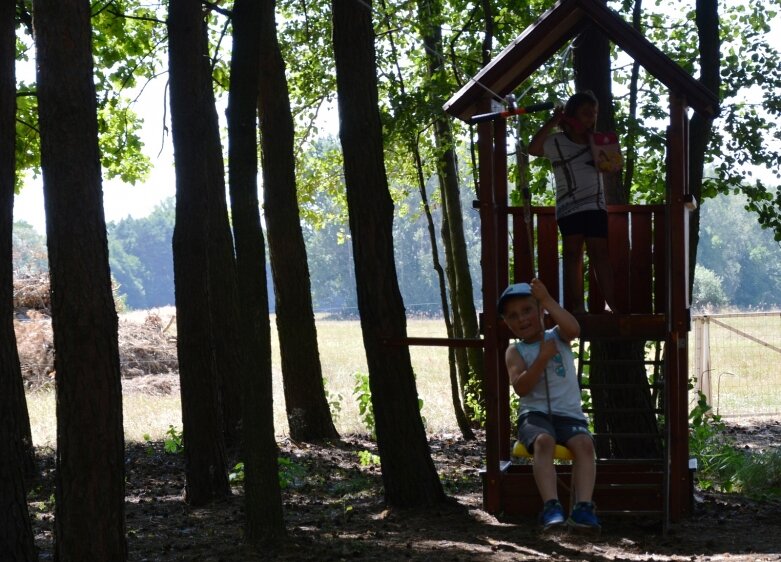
point(562, 429)
point(591, 224)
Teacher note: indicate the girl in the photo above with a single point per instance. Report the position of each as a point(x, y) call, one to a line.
point(581, 212)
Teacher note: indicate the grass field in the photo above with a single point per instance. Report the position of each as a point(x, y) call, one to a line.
point(745, 362)
point(341, 356)
point(745, 379)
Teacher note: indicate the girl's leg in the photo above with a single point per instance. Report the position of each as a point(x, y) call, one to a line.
point(572, 254)
point(543, 469)
point(584, 469)
point(599, 258)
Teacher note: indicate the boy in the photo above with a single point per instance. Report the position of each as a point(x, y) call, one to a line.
point(542, 371)
point(581, 212)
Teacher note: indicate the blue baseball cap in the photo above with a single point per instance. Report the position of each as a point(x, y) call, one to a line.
point(514, 290)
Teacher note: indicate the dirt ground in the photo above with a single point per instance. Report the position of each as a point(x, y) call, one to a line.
point(333, 503)
point(334, 511)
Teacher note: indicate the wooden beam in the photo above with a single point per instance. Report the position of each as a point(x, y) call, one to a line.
point(540, 41)
point(678, 310)
point(491, 268)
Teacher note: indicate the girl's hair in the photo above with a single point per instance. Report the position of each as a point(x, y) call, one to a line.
point(577, 100)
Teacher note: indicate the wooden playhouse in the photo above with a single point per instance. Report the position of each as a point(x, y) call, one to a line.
point(649, 251)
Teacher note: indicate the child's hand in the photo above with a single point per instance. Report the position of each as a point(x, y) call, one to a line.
point(548, 349)
point(573, 123)
point(558, 115)
point(540, 291)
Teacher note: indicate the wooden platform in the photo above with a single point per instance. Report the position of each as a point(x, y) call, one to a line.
point(650, 327)
point(621, 487)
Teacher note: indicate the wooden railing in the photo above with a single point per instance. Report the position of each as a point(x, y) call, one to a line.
point(637, 241)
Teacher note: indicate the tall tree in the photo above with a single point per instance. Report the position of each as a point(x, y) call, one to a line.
point(123, 49)
point(192, 110)
point(263, 499)
point(707, 19)
point(223, 302)
point(413, 131)
point(10, 369)
point(591, 63)
point(408, 471)
point(592, 66)
point(308, 414)
point(459, 277)
point(90, 480)
point(16, 536)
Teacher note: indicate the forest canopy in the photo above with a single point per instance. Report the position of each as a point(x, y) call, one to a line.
point(743, 157)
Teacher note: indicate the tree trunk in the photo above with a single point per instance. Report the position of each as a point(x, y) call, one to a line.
point(10, 369)
point(16, 451)
point(619, 409)
point(707, 18)
point(90, 479)
point(456, 389)
point(262, 496)
point(223, 283)
point(308, 413)
point(408, 472)
point(191, 94)
point(630, 143)
point(16, 535)
point(591, 63)
point(461, 278)
point(470, 386)
point(461, 289)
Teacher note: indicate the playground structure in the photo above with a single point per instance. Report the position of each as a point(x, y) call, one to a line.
point(649, 251)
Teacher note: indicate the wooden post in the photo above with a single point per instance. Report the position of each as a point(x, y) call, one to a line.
point(678, 311)
point(702, 364)
point(705, 376)
point(490, 268)
point(502, 275)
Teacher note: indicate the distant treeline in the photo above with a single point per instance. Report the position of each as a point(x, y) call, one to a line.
point(739, 263)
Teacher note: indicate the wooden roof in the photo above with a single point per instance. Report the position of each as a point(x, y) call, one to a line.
point(540, 41)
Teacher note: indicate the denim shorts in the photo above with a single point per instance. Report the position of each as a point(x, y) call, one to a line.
point(591, 224)
point(563, 428)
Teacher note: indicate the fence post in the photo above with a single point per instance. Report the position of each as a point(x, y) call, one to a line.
point(702, 365)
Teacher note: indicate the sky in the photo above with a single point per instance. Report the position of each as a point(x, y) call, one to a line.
point(120, 200)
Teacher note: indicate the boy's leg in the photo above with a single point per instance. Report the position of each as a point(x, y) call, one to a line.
point(553, 514)
point(584, 468)
point(572, 257)
point(543, 469)
point(599, 259)
point(583, 516)
point(536, 431)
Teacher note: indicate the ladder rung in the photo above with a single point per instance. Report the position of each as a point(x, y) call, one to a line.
point(648, 436)
point(622, 410)
point(635, 486)
point(622, 385)
point(621, 362)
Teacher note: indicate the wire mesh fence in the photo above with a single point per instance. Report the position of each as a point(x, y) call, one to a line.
point(736, 361)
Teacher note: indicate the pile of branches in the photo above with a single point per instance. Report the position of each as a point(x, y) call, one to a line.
point(147, 345)
point(31, 292)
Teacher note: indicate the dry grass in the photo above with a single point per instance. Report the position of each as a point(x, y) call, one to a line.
point(43, 420)
point(342, 355)
point(746, 379)
point(151, 403)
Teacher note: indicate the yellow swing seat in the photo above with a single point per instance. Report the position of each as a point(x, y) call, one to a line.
point(560, 453)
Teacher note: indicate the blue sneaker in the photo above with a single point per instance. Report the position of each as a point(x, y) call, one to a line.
point(552, 515)
point(583, 517)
